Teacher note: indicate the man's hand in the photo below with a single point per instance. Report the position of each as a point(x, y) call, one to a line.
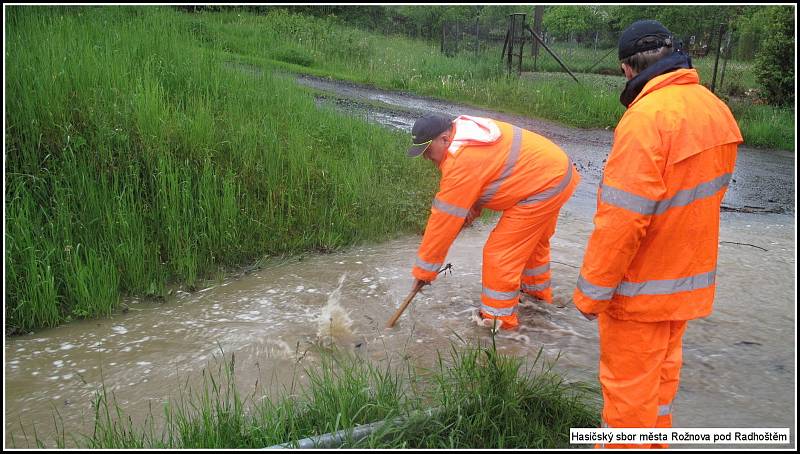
point(473, 214)
point(587, 316)
point(418, 284)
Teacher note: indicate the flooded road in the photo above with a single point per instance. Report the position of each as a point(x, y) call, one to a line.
point(763, 181)
point(739, 363)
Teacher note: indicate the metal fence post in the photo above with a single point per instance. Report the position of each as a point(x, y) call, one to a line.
point(727, 57)
point(441, 47)
point(477, 38)
point(538, 12)
point(716, 60)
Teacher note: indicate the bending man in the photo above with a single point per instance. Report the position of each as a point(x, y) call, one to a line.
point(495, 165)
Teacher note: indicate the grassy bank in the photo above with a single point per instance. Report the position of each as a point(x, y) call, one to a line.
point(135, 157)
point(479, 398)
point(319, 47)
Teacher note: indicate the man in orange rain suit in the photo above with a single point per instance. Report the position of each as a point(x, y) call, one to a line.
point(495, 165)
point(651, 261)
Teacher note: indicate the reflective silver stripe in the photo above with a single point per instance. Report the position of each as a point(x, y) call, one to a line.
point(511, 161)
point(536, 271)
point(494, 294)
point(595, 292)
point(428, 266)
point(667, 286)
point(654, 287)
point(627, 200)
point(537, 287)
point(643, 205)
point(548, 193)
point(498, 312)
point(664, 410)
point(450, 209)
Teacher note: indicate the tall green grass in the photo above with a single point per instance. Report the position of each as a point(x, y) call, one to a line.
point(136, 157)
point(318, 46)
point(473, 398)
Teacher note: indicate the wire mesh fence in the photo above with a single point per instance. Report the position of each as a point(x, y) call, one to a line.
point(588, 52)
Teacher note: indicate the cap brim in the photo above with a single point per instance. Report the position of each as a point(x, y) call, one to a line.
point(417, 150)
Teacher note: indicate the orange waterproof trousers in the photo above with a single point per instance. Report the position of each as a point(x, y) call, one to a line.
point(517, 256)
point(640, 366)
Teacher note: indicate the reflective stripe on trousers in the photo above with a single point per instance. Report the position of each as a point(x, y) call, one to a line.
point(512, 297)
point(663, 410)
point(536, 271)
point(536, 287)
point(495, 312)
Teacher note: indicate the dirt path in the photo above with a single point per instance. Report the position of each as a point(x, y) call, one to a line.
point(764, 180)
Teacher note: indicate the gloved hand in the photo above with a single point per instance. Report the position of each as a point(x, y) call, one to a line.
point(418, 284)
point(587, 316)
point(474, 213)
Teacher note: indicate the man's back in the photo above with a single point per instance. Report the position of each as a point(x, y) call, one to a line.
point(517, 167)
point(673, 156)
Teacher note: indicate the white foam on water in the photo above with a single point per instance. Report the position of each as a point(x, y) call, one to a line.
point(482, 322)
point(517, 337)
point(470, 310)
point(119, 329)
point(281, 348)
point(334, 321)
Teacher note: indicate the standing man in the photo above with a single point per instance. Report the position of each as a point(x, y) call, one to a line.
point(495, 165)
point(651, 261)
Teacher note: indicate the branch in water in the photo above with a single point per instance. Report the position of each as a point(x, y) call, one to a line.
point(565, 264)
point(744, 244)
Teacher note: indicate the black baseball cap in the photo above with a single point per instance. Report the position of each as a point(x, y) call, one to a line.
point(641, 36)
point(425, 130)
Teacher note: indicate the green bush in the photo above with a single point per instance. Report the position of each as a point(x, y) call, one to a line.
point(775, 62)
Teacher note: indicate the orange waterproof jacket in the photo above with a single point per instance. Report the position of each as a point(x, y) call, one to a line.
point(496, 167)
point(653, 253)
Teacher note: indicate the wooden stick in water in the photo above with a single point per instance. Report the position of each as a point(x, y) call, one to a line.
point(405, 304)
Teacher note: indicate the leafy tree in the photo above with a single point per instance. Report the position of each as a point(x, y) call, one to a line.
point(775, 62)
point(683, 21)
point(748, 31)
point(566, 21)
point(429, 19)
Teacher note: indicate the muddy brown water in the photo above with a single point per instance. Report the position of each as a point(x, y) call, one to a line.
point(739, 363)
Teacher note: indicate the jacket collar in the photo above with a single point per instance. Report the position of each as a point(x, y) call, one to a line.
point(675, 69)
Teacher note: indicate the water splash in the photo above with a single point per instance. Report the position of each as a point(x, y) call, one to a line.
point(334, 321)
point(483, 322)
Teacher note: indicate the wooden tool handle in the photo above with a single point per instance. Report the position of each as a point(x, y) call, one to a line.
point(405, 304)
